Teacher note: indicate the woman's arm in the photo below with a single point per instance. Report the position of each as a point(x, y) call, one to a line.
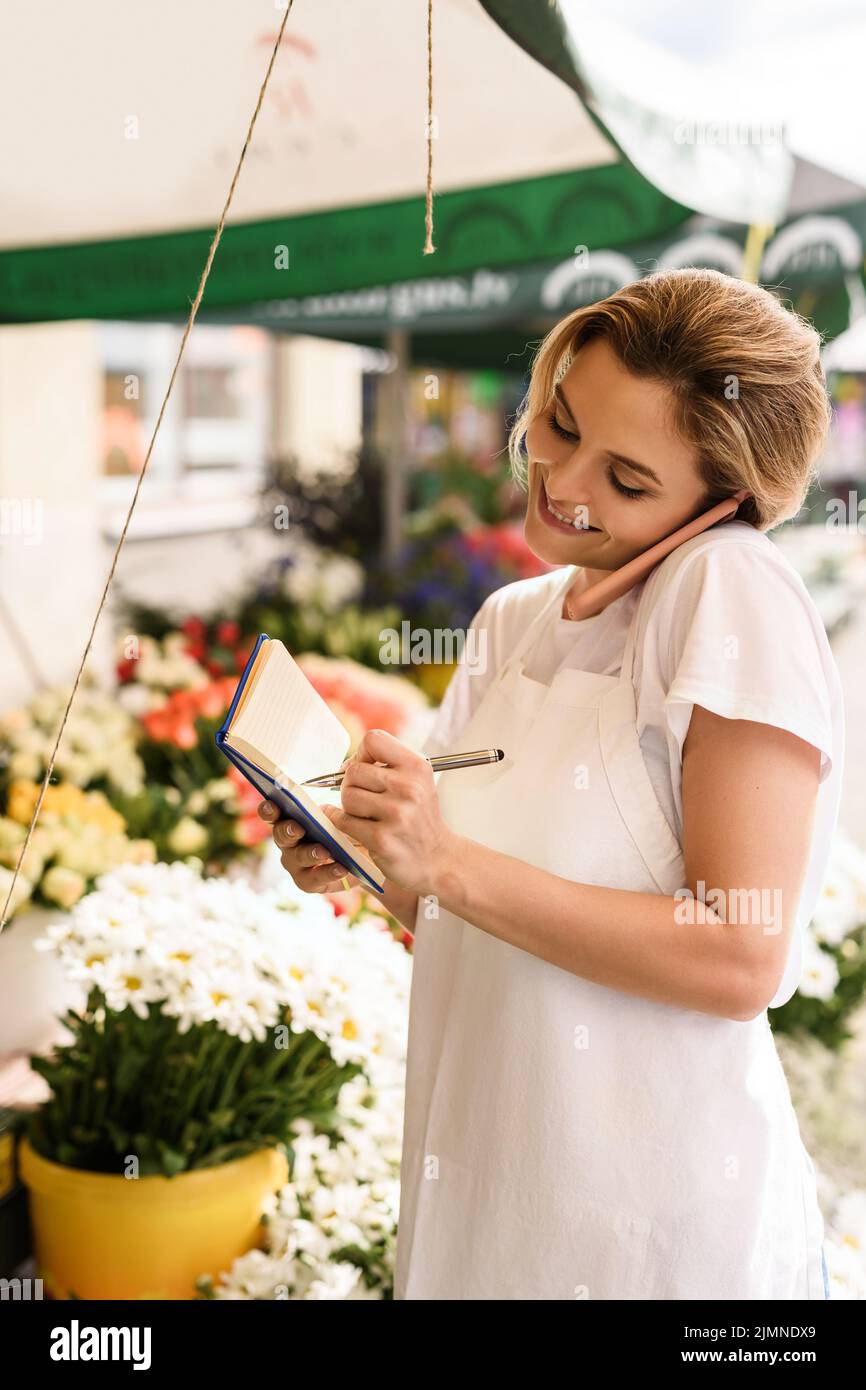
point(402, 903)
point(749, 793)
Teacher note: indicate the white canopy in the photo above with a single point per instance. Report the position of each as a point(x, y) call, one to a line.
point(121, 119)
point(712, 103)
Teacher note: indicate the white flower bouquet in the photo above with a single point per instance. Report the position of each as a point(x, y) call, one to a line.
point(331, 1232)
point(833, 981)
point(216, 1017)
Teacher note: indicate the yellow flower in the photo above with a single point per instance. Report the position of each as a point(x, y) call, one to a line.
point(33, 862)
point(11, 833)
point(65, 800)
point(23, 890)
point(187, 836)
point(62, 886)
point(22, 799)
point(141, 852)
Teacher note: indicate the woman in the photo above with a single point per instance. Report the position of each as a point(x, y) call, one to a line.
point(594, 1103)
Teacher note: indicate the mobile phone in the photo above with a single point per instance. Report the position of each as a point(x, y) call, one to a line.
point(594, 599)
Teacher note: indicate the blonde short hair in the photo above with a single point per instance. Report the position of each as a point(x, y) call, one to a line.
point(745, 374)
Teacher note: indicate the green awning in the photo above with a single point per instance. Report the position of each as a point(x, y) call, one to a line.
point(331, 252)
point(491, 316)
point(121, 154)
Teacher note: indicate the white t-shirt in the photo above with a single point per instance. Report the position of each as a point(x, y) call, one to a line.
point(727, 624)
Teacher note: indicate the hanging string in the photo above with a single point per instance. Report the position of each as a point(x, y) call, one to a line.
point(429, 248)
point(193, 311)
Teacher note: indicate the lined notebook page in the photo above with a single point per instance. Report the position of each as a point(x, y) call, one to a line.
point(287, 720)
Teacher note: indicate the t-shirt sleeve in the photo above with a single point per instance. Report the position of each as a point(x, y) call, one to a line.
point(473, 674)
point(737, 632)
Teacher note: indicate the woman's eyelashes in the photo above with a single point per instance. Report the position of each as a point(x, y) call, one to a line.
point(621, 487)
point(557, 427)
point(611, 476)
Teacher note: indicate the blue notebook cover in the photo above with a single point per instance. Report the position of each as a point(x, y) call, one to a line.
point(281, 796)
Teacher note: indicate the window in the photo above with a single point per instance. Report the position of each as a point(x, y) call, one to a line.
point(217, 429)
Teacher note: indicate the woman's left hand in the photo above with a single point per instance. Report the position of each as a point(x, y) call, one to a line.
point(393, 811)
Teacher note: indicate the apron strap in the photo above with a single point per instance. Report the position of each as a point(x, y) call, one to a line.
point(627, 668)
point(566, 579)
point(556, 598)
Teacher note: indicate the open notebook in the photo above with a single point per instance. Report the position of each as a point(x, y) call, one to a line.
point(279, 732)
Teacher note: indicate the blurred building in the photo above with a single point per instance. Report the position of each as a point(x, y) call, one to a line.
point(78, 405)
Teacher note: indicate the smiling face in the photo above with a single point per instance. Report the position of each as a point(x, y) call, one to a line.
point(605, 454)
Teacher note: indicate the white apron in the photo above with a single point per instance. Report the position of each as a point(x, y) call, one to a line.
point(563, 1139)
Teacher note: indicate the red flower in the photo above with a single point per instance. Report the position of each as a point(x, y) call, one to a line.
point(228, 633)
point(194, 628)
point(242, 655)
point(252, 829)
point(184, 735)
point(248, 795)
point(157, 724)
point(211, 701)
point(125, 669)
point(183, 702)
point(229, 685)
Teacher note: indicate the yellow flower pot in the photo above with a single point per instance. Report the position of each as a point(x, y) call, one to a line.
point(100, 1235)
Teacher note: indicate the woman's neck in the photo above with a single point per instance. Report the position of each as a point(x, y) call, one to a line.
point(583, 580)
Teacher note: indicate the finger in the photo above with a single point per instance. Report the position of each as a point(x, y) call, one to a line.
point(358, 802)
point(378, 746)
point(333, 875)
point(301, 869)
point(337, 815)
point(314, 853)
point(371, 776)
point(356, 827)
point(333, 813)
point(268, 811)
point(287, 833)
point(319, 878)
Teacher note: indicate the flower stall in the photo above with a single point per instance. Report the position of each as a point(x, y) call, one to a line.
point(206, 1069)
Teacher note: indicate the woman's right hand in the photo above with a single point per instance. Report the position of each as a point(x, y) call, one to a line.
point(310, 863)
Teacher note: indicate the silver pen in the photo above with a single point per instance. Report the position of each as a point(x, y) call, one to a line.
point(438, 764)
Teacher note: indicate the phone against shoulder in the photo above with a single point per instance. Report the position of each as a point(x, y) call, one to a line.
point(593, 600)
